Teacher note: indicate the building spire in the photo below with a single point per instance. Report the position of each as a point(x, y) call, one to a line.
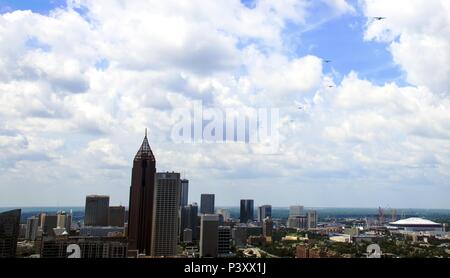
point(145, 151)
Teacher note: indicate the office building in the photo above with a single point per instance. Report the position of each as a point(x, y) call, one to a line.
point(22, 231)
point(96, 210)
point(207, 204)
point(239, 235)
point(32, 228)
point(90, 247)
point(184, 195)
point(225, 214)
point(209, 235)
point(194, 222)
point(116, 216)
point(188, 219)
point(187, 235)
point(9, 232)
point(42, 220)
point(246, 211)
point(295, 211)
point(224, 241)
point(141, 204)
point(267, 227)
point(298, 222)
point(165, 218)
point(102, 231)
point(50, 222)
point(312, 219)
point(264, 212)
point(64, 220)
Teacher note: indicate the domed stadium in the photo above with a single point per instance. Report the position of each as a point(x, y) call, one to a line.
point(417, 225)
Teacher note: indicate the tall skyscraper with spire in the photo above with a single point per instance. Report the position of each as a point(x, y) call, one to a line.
point(141, 200)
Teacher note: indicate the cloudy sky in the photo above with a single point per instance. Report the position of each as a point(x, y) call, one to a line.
point(80, 80)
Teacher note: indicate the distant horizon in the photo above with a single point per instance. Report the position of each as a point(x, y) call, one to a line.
point(237, 206)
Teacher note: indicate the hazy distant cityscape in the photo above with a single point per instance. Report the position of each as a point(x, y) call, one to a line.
point(159, 222)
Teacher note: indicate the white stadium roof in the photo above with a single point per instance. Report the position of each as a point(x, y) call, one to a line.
point(414, 222)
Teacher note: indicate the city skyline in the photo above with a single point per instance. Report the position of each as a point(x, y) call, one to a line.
point(363, 102)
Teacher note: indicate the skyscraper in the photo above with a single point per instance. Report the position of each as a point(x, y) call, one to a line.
point(187, 235)
point(117, 216)
point(184, 196)
point(246, 211)
point(263, 212)
point(64, 220)
point(188, 220)
point(298, 222)
point(41, 220)
point(239, 234)
point(224, 241)
point(48, 222)
point(9, 232)
point(141, 200)
point(165, 214)
point(295, 211)
point(32, 228)
point(207, 204)
point(267, 226)
point(96, 210)
point(209, 235)
point(312, 219)
point(194, 221)
point(225, 214)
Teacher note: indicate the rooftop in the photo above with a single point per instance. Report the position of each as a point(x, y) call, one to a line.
point(145, 152)
point(414, 221)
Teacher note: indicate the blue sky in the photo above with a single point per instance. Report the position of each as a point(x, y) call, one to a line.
point(38, 6)
point(76, 96)
point(330, 39)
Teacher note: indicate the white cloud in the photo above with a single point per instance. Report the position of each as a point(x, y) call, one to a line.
point(105, 152)
point(418, 34)
point(341, 6)
point(66, 115)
